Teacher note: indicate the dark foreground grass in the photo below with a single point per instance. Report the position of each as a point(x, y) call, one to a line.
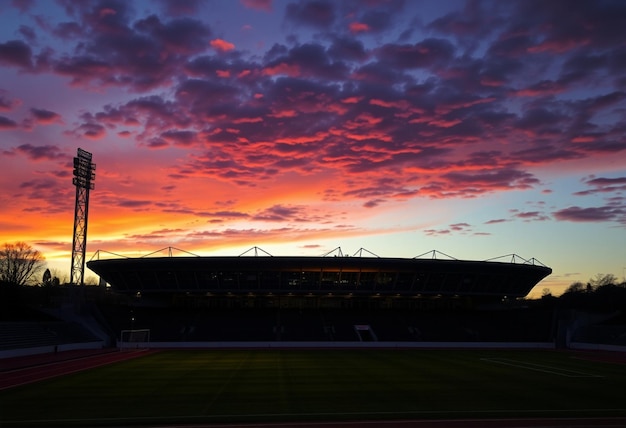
point(309, 385)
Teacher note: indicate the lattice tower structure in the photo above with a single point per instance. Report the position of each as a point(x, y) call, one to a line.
point(84, 177)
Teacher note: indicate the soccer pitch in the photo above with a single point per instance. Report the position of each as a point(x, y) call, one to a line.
point(211, 386)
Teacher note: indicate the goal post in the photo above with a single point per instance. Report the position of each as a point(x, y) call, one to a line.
point(134, 339)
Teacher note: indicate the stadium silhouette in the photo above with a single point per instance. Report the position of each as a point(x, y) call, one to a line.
point(334, 297)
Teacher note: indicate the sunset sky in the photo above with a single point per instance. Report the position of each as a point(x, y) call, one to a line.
point(475, 128)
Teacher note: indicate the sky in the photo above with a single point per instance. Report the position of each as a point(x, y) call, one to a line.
point(470, 129)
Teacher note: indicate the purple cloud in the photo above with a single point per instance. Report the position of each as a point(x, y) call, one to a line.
point(591, 214)
point(314, 13)
point(16, 53)
point(47, 152)
point(532, 215)
point(279, 213)
point(6, 123)
point(45, 117)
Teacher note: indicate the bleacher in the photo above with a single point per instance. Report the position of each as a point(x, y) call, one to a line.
point(31, 334)
point(319, 325)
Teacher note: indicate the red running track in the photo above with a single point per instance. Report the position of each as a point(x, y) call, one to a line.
point(23, 370)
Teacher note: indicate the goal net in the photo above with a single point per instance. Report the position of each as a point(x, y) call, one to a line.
point(134, 339)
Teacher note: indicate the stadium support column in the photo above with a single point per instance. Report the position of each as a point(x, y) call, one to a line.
point(84, 177)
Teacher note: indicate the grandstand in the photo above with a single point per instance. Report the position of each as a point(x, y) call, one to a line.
point(323, 299)
point(33, 334)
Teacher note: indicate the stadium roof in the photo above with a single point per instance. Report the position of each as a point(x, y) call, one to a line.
point(321, 275)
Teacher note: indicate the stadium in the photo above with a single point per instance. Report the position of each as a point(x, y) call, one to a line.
point(267, 341)
point(328, 298)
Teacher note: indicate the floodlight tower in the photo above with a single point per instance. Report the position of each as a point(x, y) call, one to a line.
point(84, 177)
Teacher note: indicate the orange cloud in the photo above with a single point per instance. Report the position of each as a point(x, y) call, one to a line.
point(222, 45)
point(351, 100)
point(282, 68)
point(248, 120)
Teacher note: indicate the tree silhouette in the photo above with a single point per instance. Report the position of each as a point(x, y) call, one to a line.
point(20, 263)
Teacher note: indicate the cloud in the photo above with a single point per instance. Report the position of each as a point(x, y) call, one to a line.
point(471, 183)
point(532, 215)
point(160, 234)
point(345, 48)
point(373, 203)
point(461, 228)
point(604, 185)
point(468, 25)
point(222, 45)
point(16, 53)
point(613, 211)
point(591, 214)
point(132, 203)
point(45, 117)
point(142, 55)
point(6, 123)
point(28, 33)
point(465, 110)
point(496, 221)
point(6, 103)
point(279, 213)
point(314, 13)
point(358, 27)
point(44, 196)
point(176, 36)
point(181, 7)
point(93, 131)
point(375, 21)
point(180, 138)
point(46, 152)
point(226, 214)
point(429, 53)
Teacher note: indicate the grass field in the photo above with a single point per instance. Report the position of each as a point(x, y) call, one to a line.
point(194, 386)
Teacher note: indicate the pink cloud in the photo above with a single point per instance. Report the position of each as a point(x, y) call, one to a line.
point(222, 45)
point(282, 68)
point(358, 27)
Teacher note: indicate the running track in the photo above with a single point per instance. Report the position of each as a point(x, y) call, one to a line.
point(23, 370)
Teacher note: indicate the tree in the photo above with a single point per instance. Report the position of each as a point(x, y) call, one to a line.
point(601, 280)
point(575, 287)
point(20, 263)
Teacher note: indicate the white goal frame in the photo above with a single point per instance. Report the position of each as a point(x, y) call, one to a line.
point(134, 339)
